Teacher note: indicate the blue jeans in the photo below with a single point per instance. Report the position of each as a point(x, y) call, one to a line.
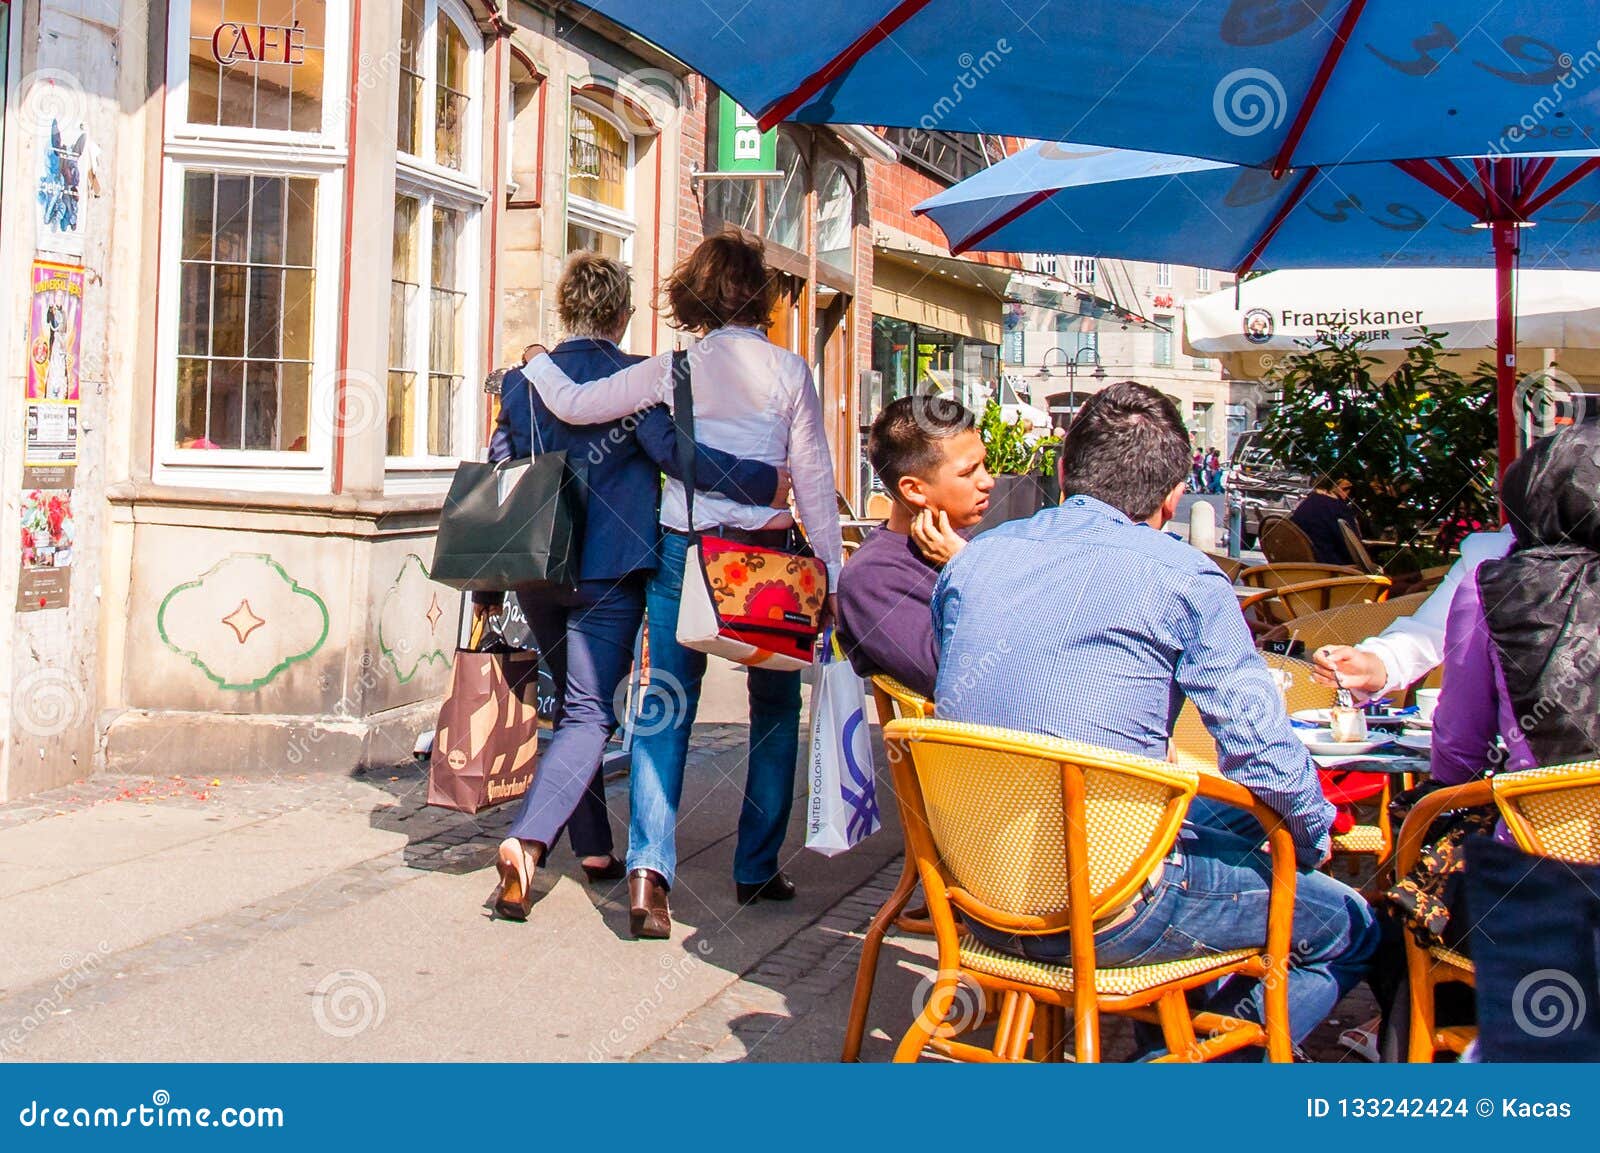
point(1212, 897)
point(661, 742)
point(589, 648)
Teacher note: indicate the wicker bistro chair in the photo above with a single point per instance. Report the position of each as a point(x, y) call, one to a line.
point(1192, 746)
point(1288, 603)
point(1554, 812)
point(1276, 576)
point(1284, 542)
point(1347, 624)
point(893, 700)
point(1031, 834)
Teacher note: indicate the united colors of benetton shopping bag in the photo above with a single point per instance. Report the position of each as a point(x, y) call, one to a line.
point(842, 809)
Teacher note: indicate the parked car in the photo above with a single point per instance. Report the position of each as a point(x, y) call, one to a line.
point(1258, 483)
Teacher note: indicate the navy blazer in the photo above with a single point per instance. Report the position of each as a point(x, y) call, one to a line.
point(626, 458)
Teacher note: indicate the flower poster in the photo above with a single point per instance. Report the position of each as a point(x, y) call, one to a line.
point(48, 531)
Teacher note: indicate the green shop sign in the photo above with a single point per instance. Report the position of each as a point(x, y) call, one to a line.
point(741, 146)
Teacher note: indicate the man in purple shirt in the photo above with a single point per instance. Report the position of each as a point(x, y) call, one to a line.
point(929, 456)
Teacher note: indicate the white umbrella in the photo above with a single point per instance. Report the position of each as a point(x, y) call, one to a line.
point(1276, 315)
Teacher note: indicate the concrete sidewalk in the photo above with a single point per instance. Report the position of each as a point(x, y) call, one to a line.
point(339, 919)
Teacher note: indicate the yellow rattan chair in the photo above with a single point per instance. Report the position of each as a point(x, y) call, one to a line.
point(1269, 577)
point(893, 700)
point(1031, 834)
point(1554, 812)
point(1288, 603)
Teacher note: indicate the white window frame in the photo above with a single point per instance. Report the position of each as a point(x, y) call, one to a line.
point(437, 185)
point(255, 152)
point(1202, 279)
point(1085, 271)
point(822, 170)
point(586, 213)
point(1163, 276)
point(469, 179)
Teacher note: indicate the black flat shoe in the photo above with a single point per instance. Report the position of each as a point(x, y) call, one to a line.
point(779, 888)
point(612, 870)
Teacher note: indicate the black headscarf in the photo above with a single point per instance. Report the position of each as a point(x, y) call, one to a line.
point(1542, 602)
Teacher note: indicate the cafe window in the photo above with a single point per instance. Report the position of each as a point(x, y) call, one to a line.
point(429, 411)
point(835, 216)
point(438, 72)
point(600, 158)
point(250, 229)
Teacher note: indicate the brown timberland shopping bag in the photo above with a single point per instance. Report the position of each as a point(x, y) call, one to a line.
point(487, 742)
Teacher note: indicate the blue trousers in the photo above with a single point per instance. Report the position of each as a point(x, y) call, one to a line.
point(1212, 897)
point(664, 721)
point(589, 648)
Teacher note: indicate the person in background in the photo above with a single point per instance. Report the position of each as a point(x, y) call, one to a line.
point(1319, 516)
point(588, 648)
point(1216, 472)
point(1198, 483)
point(759, 400)
point(929, 457)
point(1122, 623)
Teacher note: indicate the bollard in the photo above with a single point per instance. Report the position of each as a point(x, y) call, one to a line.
point(1236, 532)
point(1203, 526)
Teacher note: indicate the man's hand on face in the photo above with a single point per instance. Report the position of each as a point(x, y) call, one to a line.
point(934, 537)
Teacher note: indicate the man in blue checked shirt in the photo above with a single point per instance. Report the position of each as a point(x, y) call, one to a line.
point(1106, 624)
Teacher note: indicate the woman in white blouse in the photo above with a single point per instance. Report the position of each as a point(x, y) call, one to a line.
point(758, 401)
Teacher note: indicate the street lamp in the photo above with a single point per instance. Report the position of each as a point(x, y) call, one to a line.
point(1071, 364)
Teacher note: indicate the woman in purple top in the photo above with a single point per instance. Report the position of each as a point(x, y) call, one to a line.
point(1521, 646)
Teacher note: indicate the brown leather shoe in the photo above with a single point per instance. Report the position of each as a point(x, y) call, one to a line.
point(648, 916)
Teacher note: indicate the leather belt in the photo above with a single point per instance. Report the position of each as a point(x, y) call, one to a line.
point(1138, 901)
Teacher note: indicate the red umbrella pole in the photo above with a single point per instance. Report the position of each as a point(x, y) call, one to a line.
point(1505, 255)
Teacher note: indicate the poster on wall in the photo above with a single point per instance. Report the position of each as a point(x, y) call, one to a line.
point(61, 203)
point(55, 333)
point(47, 536)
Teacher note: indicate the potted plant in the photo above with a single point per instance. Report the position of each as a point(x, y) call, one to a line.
point(1022, 460)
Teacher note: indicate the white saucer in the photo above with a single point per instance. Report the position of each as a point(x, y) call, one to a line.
point(1417, 742)
point(1322, 744)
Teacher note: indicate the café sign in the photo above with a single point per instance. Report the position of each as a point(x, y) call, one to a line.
point(233, 43)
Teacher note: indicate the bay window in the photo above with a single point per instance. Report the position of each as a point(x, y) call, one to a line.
point(600, 158)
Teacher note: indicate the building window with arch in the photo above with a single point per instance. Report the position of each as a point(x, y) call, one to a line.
point(439, 196)
point(836, 207)
point(600, 158)
point(253, 156)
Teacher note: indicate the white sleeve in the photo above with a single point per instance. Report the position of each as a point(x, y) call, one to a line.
point(1413, 646)
point(634, 389)
point(811, 468)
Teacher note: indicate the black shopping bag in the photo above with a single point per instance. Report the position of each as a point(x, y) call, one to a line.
point(513, 525)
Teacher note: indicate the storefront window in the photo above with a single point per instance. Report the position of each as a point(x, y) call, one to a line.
point(250, 233)
point(257, 64)
point(786, 198)
point(245, 318)
point(835, 216)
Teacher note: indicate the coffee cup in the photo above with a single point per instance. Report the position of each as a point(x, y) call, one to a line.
point(1427, 701)
point(1347, 725)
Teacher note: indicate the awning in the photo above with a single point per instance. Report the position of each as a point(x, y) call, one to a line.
point(1036, 290)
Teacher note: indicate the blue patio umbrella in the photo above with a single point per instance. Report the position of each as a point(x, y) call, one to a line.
point(1274, 83)
point(1543, 210)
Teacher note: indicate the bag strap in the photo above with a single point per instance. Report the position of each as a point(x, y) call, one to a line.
point(683, 424)
point(533, 413)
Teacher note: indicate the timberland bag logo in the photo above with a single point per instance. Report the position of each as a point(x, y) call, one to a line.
point(457, 759)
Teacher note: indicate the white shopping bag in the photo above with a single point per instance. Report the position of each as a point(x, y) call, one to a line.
point(842, 809)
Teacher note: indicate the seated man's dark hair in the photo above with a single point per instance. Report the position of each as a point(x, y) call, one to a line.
point(905, 436)
point(1128, 448)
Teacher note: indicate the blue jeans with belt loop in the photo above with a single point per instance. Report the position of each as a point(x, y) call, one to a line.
point(1212, 897)
point(662, 725)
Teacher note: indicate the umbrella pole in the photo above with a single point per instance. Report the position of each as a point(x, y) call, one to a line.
point(1505, 255)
